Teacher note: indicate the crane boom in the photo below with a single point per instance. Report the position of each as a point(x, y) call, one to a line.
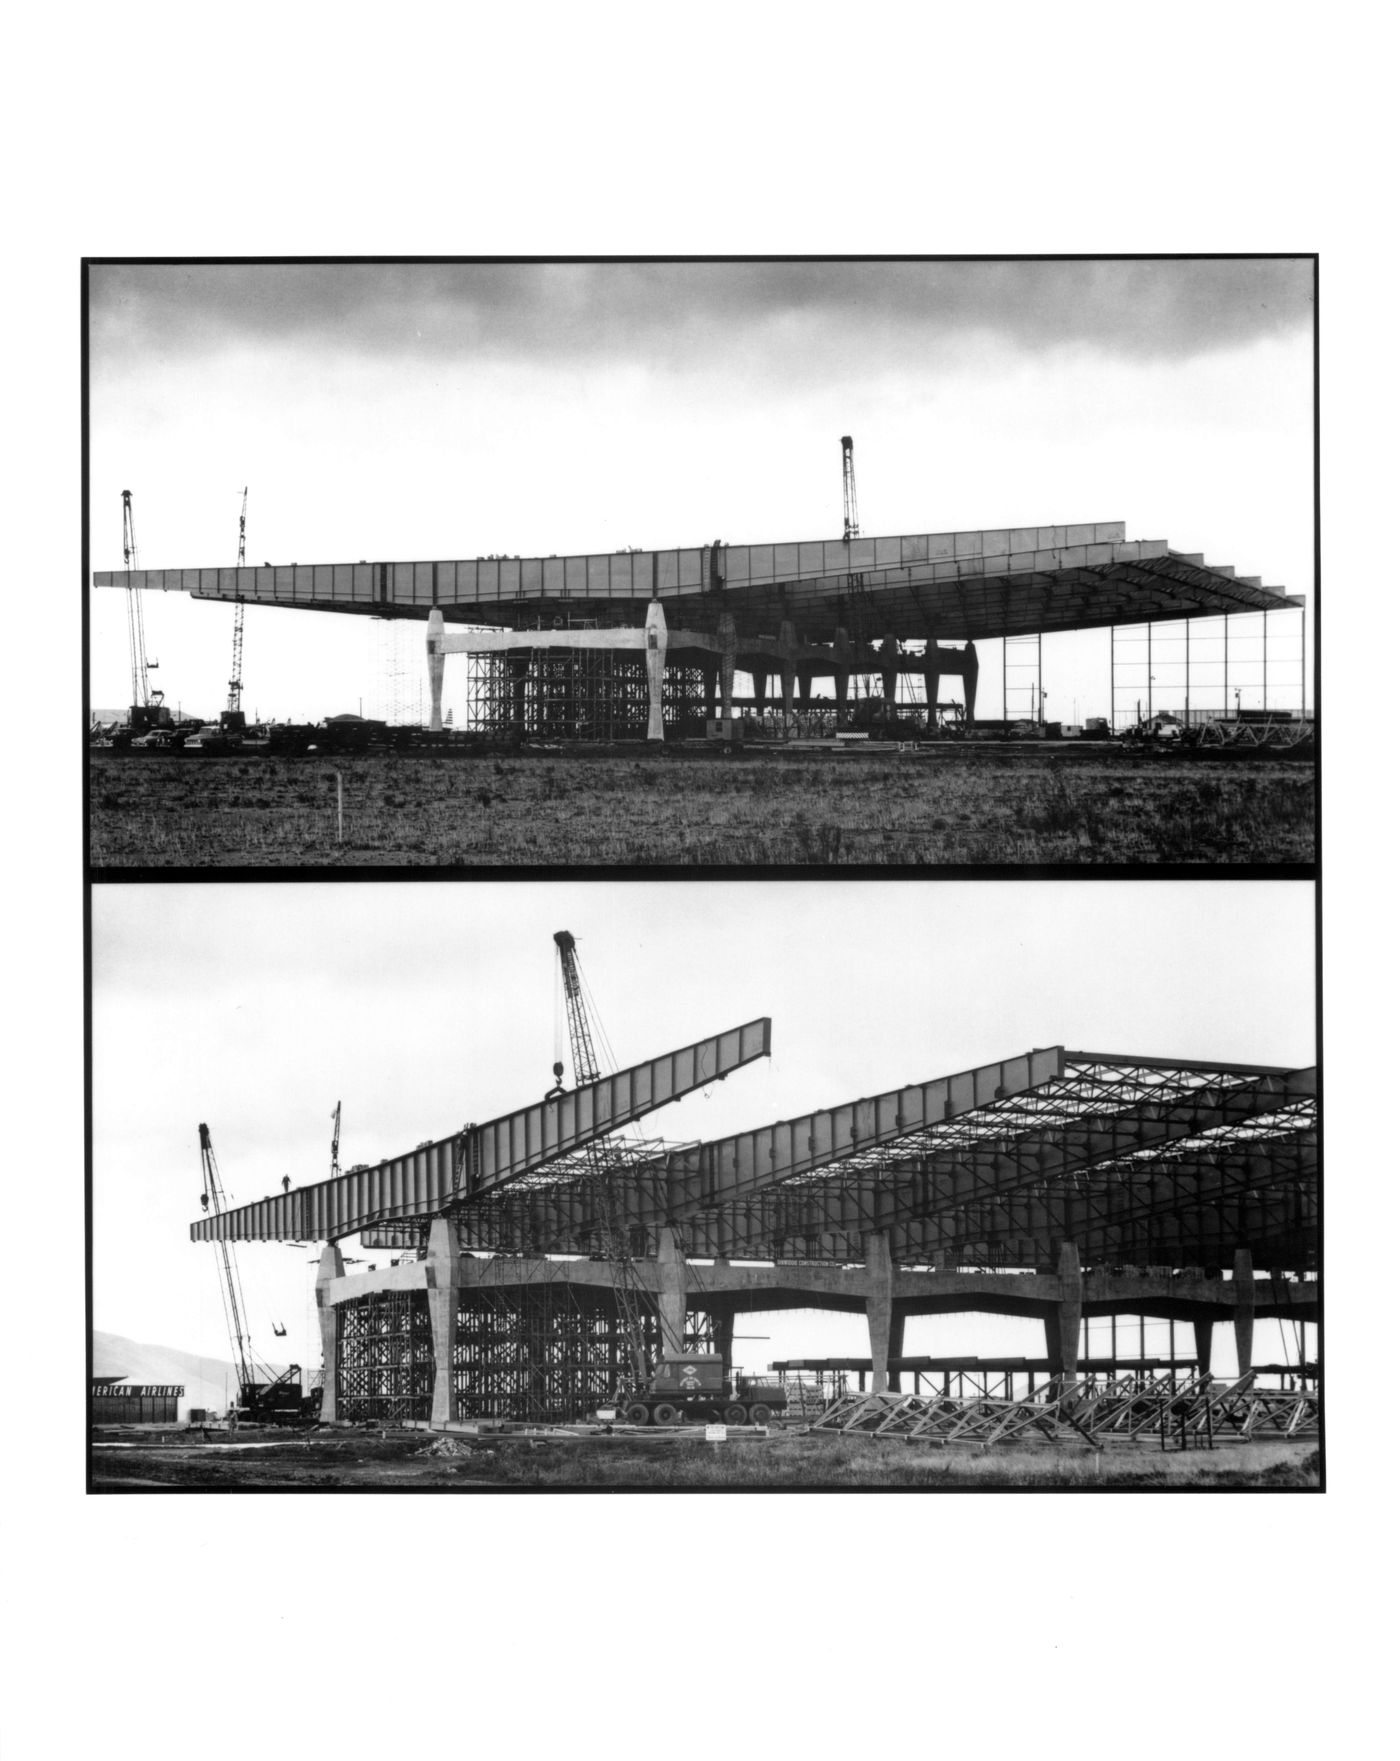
point(605, 1173)
point(233, 718)
point(145, 703)
point(231, 1288)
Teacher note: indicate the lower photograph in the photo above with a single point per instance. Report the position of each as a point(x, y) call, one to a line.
point(768, 1186)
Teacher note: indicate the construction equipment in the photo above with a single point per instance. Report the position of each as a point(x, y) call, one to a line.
point(605, 1177)
point(264, 1397)
point(147, 706)
point(335, 1142)
point(233, 720)
point(693, 1389)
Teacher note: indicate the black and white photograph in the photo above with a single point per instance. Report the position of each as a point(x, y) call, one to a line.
point(821, 563)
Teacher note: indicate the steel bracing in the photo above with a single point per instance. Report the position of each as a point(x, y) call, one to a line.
point(586, 694)
point(384, 1357)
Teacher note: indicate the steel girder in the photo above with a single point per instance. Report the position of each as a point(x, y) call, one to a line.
point(1105, 1154)
point(482, 1158)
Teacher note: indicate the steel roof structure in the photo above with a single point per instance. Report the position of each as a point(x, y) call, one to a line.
point(1136, 1160)
point(1005, 581)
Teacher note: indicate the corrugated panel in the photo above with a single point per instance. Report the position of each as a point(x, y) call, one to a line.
point(421, 1182)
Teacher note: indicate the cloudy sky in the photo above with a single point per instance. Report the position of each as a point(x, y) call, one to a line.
point(395, 411)
point(254, 1008)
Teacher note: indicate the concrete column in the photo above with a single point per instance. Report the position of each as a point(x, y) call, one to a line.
point(670, 1264)
point(710, 675)
point(656, 668)
point(1205, 1333)
point(897, 1349)
point(760, 687)
point(1244, 1309)
point(889, 671)
point(841, 673)
point(787, 649)
point(436, 663)
point(1062, 1324)
point(332, 1266)
point(727, 635)
point(444, 1273)
point(932, 678)
point(722, 1328)
point(879, 1306)
point(970, 681)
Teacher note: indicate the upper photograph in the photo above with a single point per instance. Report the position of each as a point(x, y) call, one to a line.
point(702, 565)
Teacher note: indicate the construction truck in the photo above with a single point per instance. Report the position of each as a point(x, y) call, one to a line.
point(693, 1389)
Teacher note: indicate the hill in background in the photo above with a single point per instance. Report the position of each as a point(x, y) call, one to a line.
point(209, 1381)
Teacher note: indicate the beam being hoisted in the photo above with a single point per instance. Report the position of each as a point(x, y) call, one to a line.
point(454, 1170)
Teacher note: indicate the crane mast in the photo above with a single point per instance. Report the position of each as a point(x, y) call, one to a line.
point(145, 703)
point(850, 528)
point(606, 1173)
point(335, 1142)
point(233, 718)
point(231, 1288)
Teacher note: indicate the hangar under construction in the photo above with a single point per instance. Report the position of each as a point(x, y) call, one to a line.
point(636, 643)
point(545, 1262)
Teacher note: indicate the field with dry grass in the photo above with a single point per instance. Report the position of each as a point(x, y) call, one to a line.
point(688, 807)
point(678, 1461)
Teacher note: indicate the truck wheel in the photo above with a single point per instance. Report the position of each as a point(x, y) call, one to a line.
point(736, 1415)
point(637, 1414)
point(760, 1414)
point(665, 1413)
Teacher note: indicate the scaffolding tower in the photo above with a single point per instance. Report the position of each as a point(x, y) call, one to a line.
point(576, 694)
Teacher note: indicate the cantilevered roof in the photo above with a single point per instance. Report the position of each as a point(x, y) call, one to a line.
point(1138, 1160)
point(1005, 581)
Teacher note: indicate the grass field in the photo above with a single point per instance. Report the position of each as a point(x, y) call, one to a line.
point(681, 1460)
point(695, 807)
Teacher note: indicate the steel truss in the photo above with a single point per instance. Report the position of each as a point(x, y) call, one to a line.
point(1137, 1163)
point(577, 694)
point(1170, 1411)
point(384, 1357)
point(546, 1353)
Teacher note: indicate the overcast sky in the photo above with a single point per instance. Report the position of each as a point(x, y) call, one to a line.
point(420, 411)
point(254, 1008)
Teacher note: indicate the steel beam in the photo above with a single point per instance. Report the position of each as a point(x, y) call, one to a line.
point(482, 1158)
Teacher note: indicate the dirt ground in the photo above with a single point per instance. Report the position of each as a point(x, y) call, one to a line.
point(366, 1459)
point(693, 806)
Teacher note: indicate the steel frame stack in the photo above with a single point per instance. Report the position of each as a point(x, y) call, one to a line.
point(384, 1357)
point(546, 1353)
point(1204, 669)
point(576, 694)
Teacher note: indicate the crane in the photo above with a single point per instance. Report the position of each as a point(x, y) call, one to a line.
point(261, 1393)
point(850, 528)
point(335, 1142)
point(605, 1172)
point(147, 709)
point(233, 718)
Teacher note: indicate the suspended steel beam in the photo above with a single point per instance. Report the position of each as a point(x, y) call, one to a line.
point(453, 1170)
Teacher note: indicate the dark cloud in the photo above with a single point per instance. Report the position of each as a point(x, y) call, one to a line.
point(1148, 310)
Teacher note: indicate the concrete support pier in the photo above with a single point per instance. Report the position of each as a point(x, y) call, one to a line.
point(879, 1307)
point(670, 1274)
point(1244, 1309)
point(332, 1266)
point(443, 1277)
point(1062, 1324)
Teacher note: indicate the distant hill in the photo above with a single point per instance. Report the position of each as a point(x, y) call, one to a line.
point(209, 1381)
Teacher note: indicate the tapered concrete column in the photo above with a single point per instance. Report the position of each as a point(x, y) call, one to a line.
point(889, 670)
point(787, 649)
point(970, 681)
point(436, 662)
point(670, 1264)
point(841, 673)
point(760, 687)
point(332, 1266)
point(444, 1273)
point(656, 668)
point(1244, 1309)
point(933, 677)
point(896, 1347)
point(727, 636)
point(1063, 1322)
point(722, 1330)
point(1205, 1333)
point(879, 1306)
